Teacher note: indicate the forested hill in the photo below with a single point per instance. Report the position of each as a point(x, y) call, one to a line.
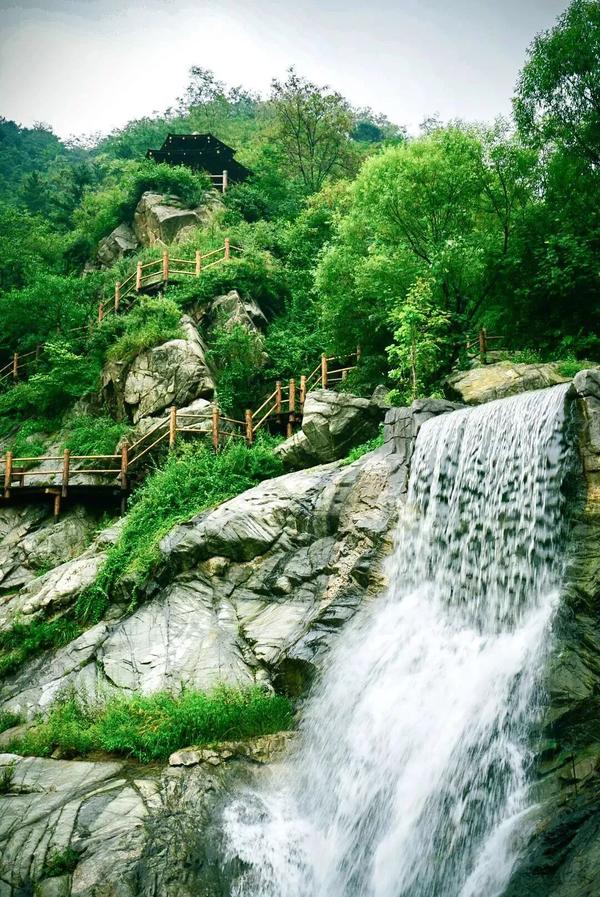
point(352, 233)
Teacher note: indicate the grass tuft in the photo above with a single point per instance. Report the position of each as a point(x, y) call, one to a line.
point(149, 728)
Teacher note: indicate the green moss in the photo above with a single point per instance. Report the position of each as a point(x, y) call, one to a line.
point(150, 728)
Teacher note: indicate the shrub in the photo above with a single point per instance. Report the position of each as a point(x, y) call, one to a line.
point(254, 275)
point(87, 434)
point(61, 862)
point(151, 321)
point(236, 354)
point(193, 479)
point(151, 728)
point(69, 376)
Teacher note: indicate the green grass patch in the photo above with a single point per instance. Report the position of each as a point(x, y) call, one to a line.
point(8, 720)
point(364, 448)
point(571, 366)
point(193, 479)
point(24, 640)
point(150, 728)
point(61, 862)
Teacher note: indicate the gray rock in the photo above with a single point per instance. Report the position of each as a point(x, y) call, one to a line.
point(587, 383)
point(174, 373)
point(261, 581)
point(232, 310)
point(497, 381)
point(30, 542)
point(120, 242)
point(163, 219)
point(332, 423)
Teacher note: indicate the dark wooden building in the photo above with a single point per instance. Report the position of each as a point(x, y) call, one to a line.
point(201, 152)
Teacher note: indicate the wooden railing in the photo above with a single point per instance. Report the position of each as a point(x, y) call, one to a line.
point(158, 271)
point(481, 344)
point(286, 403)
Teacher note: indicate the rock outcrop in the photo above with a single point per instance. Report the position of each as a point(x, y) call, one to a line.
point(231, 310)
point(161, 218)
point(251, 591)
point(332, 423)
point(113, 829)
point(174, 373)
point(120, 242)
point(563, 856)
point(30, 543)
point(498, 381)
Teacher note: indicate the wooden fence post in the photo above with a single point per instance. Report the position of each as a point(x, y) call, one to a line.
point(482, 345)
point(124, 465)
point(227, 249)
point(165, 267)
point(198, 262)
point(65, 472)
point(172, 426)
point(291, 406)
point(100, 312)
point(8, 474)
point(278, 397)
point(117, 296)
point(358, 351)
point(249, 433)
point(302, 391)
point(225, 181)
point(15, 367)
point(57, 497)
point(323, 372)
point(138, 277)
point(215, 427)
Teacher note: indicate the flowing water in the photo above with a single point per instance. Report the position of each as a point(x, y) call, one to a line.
point(410, 777)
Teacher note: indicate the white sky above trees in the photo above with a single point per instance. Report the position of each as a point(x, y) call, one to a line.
point(85, 66)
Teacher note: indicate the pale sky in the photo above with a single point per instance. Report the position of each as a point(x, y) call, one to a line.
point(85, 66)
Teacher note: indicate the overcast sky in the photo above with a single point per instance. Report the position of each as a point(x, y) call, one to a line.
point(85, 66)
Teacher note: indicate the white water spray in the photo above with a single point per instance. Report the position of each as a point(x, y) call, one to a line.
point(410, 779)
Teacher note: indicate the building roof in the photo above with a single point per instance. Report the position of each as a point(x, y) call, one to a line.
point(201, 152)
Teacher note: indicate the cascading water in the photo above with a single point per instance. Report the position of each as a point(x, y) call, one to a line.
point(410, 777)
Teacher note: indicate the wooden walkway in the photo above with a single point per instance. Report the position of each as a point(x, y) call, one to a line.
point(89, 477)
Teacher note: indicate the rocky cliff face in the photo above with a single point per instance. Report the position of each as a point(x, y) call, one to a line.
point(254, 591)
point(251, 591)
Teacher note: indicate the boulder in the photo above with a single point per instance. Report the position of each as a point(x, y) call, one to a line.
point(232, 310)
point(163, 219)
point(174, 373)
point(332, 423)
point(497, 381)
point(121, 242)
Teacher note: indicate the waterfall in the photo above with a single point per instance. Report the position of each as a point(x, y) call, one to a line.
point(410, 778)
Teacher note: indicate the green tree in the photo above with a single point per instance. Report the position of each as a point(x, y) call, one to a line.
point(421, 332)
point(313, 126)
point(558, 94)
